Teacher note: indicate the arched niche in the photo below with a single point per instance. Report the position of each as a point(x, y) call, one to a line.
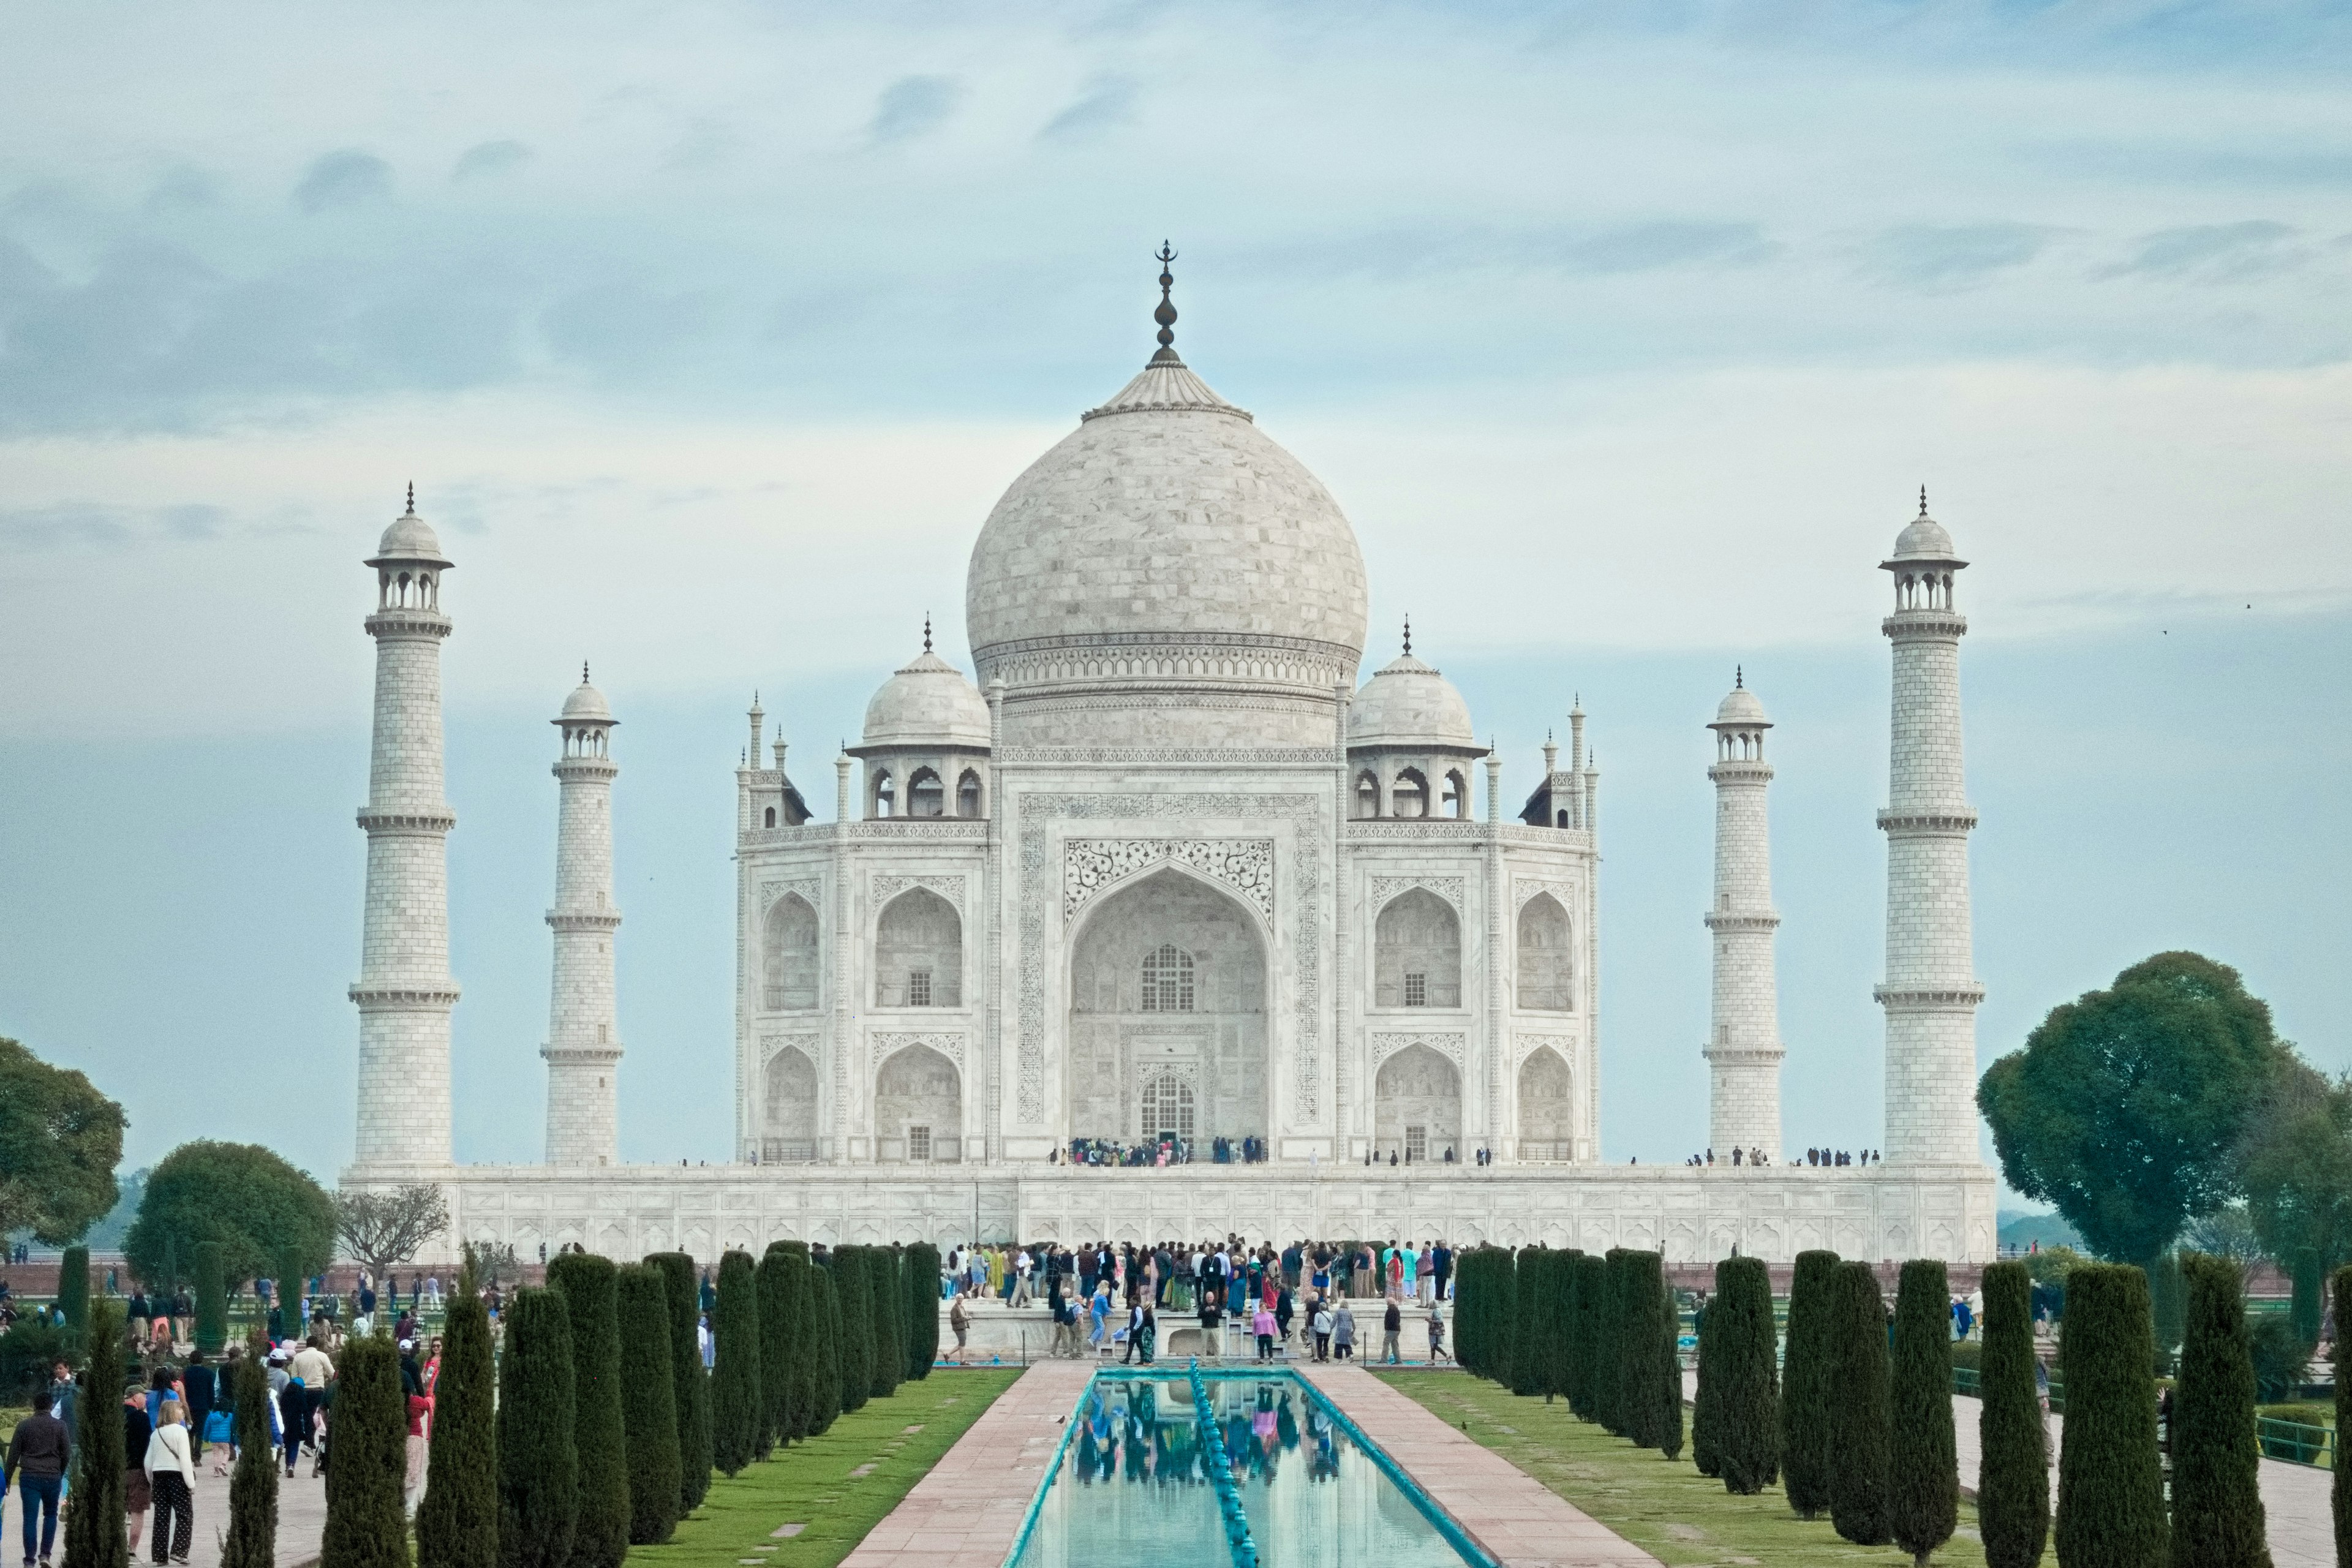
point(919, 952)
point(788, 1112)
point(1417, 1106)
point(926, 795)
point(1417, 952)
point(917, 1106)
point(968, 794)
point(1547, 1107)
point(1198, 945)
point(1547, 968)
point(788, 956)
point(1409, 796)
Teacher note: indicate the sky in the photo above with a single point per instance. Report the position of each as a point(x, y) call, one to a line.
point(709, 333)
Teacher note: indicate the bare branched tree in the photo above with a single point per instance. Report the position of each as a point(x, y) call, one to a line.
point(382, 1229)
point(492, 1261)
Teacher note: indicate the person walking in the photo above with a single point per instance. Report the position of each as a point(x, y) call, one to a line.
point(171, 1475)
point(959, 1323)
point(36, 1466)
point(1134, 1328)
point(1392, 1324)
point(1147, 1337)
point(65, 1404)
point(1322, 1323)
point(1436, 1334)
point(137, 1427)
point(1343, 1332)
point(1022, 1266)
point(200, 1384)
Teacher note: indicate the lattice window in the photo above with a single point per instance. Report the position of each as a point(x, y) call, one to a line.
point(1416, 1140)
point(1168, 979)
point(918, 988)
point(918, 1144)
point(1416, 990)
point(1168, 1108)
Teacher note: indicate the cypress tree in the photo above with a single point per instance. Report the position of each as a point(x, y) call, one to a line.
point(1923, 1475)
point(96, 1532)
point(251, 1540)
point(854, 1301)
point(539, 1455)
point(2310, 1287)
point(73, 1290)
point(2340, 1482)
point(692, 1379)
point(818, 1290)
point(1608, 1354)
point(458, 1523)
point(1559, 1321)
point(1468, 1268)
point(922, 1268)
point(1856, 1364)
point(1710, 1378)
point(2217, 1501)
point(2014, 1474)
point(1528, 1321)
point(1746, 1412)
point(1667, 1387)
point(211, 1297)
point(1591, 1299)
point(367, 1431)
point(735, 1386)
point(1806, 1457)
point(889, 1320)
point(590, 1286)
point(776, 1370)
point(648, 1403)
point(2110, 1482)
point(2166, 1300)
point(1637, 1350)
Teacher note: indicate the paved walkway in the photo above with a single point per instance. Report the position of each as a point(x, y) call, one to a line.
point(301, 1517)
point(967, 1511)
point(1523, 1522)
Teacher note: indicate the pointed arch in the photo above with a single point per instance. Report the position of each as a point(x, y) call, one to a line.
point(788, 956)
point(1547, 1107)
point(926, 794)
point(1547, 967)
point(1417, 1105)
point(1368, 794)
point(1410, 793)
point(788, 1123)
point(968, 802)
point(919, 952)
point(919, 1106)
point(1417, 952)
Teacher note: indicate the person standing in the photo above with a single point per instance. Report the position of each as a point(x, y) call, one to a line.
point(201, 1384)
point(1343, 1332)
point(171, 1474)
point(311, 1371)
point(1440, 1267)
point(1022, 1266)
point(65, 1404)
point(1213, 1319)
point(1391, 1325)
point(413, 1487)
point(36, 1464)
point(1322, 1323)
point(959, 1321)
point(1262, 1325)
point(137, 1427)
point(140, 1312)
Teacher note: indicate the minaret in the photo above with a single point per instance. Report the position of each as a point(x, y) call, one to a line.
point(1931, 992)
point(583, 1040)
point(1743, 1047)
point(404, 993)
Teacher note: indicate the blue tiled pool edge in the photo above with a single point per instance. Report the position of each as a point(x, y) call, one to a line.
point(1428, 1507)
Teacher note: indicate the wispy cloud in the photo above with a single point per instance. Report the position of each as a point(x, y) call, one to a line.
point(485, 159)
point(1107, 102)
point(912, 106)
point(343, 179)
point(2217, 252)
point(1938, 256)
point(26, 531)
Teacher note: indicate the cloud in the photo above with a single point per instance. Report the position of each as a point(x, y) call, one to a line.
point(488, 158)
point(2220, 251)
point(1646, 246)
point(913, 106)
point(343, 179)
point(1934, 256)
point(1109, 101)
point(184, 189)
point(626, 327)
point(1576, 250)
point(25, 531)
point(707, 144)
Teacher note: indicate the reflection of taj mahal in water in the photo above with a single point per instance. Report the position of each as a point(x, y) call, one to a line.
point(1166, 869)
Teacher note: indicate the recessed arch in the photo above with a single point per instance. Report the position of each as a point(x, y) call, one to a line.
point(1409, 796)
point(1547, 967)
point(968, 802)
point(1547, 1107)
point(788, 1123)
point(885, 794)
point(788, 956)
point(1417, 952)
point(1455, 800)
point(917, 1106)
point(1417, 1106)
point(926, 795)
point(919, 952)
point(1368, 794)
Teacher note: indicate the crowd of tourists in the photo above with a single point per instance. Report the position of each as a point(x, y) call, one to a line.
point(1814, 1157)
point(1168, 1151)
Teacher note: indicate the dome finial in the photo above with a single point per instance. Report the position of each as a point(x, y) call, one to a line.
point(926, 632)
point(1739, 677)
point(412, 498)
point(1923, 501)
point(1408, 635)
point(1166, 314)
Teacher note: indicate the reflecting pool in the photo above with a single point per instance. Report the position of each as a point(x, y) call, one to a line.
point(1132, 1485)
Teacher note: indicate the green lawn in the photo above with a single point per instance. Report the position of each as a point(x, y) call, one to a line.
point(809, 1483)
point(1662, 1506)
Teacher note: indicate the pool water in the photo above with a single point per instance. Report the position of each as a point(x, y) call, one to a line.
point(1132, 1484)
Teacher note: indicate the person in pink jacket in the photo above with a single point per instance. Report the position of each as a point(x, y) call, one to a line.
point(1262, 1325)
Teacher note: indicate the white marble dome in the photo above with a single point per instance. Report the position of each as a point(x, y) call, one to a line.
point(1166, 546)
point(587, 704)
point(1923, 538)
point(1407, 703)
point(1741, 708)
point(928, 702)
point(410, 538)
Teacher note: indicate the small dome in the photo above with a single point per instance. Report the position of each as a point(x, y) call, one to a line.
point(1406, 703)
point(410, 538)
point(1741, 709)
point(1923, 538)
point(586, 703)
point(926, 703)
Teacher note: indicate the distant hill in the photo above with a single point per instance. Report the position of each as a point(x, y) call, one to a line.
point(2019, 1228)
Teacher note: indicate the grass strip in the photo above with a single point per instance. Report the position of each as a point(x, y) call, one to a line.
point(811, 1483)
point(1663, 1506)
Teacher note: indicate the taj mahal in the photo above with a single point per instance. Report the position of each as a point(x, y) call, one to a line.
point(1167, 866)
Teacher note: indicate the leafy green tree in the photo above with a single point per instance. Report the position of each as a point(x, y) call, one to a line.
point(251, 1540)
point(1807, 1459)
point(648, 1405)
point(1858, 1405)
point(96, 1534)
point(60, 1142)
point(2110, 1480)
point(855, 1297)
point(590, 1287)
point(1591, 1302)
point(212, 1297)
point(2339, 1489)
point(539, 1455)
point(824, 1349)
point(922, 1308)
point(2124, 1105)
point(73, 1289)
point(240, 1195)
point(735, 1384)
point(2217, 1501)
point(693, 1397)
point(367, 1431)
point(2293, 1163)
point(1923, 1475)
point(1745, 1413)
point(2309, 1301)
point(2014, 1474)
point(458, 1522)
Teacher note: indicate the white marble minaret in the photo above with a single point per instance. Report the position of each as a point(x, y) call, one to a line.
point(1743, 1046)
point(404, 993)
point(1930, 993)
point(583, 1041)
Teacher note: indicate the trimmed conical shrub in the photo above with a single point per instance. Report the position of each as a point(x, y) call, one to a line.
point(251, 1539)
point(1746, 1412)
point(2340, 1481)
point(2166, 1300)
point(2110, 1482)
point(1807, 1458)
point(96, 1533)
point(367, 1432)
point(819, 1290)
point(1559, 1308)
point(1527, 1318)
point(1710, 1376)
point(855, 1301)
point(2217, 1501)
point(889, 1320)
point(458, 1522)
point(922, 1268)
point(539, 1455)
point(1608, 1346)
point(1923, 1473)
point(1858, 1405)
point(73, 1290)
point(1637, 1348)
point(1469, 1274)
point(211, 1297)
point(693, 1380)
point(775, 1351)
point(590, 1285)
point(735, 1381)
point(2014, 1474)
point(1589, 1299)
point(1666, 1374)
point(648, 1403)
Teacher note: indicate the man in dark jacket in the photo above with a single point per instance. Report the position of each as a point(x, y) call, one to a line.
point(37, 1453)
point(203, 1388)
